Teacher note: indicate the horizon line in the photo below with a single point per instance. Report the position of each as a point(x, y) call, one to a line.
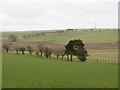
point(57, 29)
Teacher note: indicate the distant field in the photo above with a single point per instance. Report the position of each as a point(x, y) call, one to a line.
point(35, 72)
point(62, 38)
point(103, 55)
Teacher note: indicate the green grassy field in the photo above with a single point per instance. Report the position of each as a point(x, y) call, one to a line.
point(87, 37)
point(104, 55)
point(35, 72)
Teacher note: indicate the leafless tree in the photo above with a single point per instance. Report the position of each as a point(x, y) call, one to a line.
point(6, 47)
point(47, 52)
point(30, 49)
point(41, 49)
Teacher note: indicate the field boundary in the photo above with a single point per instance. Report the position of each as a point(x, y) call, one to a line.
point(102, 61)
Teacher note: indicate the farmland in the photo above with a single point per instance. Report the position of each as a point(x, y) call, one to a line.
point(62, 38)
point(30, 71)
point(100, 44)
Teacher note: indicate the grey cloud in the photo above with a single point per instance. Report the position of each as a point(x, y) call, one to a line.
point(29, 10)
point(58, 14)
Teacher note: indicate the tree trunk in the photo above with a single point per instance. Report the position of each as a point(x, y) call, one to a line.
point(23, 53)
point(57, 56)
point(71, 57)
point(63, 56)
point(30, 53)
point(7, 50)
point(41, 54)
point(67, 57)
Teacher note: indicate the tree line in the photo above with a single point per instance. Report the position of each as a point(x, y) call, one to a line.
point(39, 51)
point(74, 47)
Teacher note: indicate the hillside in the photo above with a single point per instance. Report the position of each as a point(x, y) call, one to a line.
point(62, 38)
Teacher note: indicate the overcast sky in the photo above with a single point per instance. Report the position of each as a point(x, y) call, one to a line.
point(20, 15)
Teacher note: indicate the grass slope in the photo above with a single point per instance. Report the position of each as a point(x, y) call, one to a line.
point(87, 37)
point(35, 72)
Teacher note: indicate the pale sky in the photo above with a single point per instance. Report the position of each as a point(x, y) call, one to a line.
point(20, 15)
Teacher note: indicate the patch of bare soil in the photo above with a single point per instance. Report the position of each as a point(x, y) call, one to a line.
point(102, 46)
point(97, 46)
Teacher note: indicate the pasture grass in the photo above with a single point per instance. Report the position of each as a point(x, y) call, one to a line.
point(103, 55)
point(62, 38)
point(25, 71)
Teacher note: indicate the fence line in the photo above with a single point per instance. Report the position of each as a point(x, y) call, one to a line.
point(102, 61)
point(109, 61)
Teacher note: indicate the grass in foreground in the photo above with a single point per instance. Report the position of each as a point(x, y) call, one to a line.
point(35, 72)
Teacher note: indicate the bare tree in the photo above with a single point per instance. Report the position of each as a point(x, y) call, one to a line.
point(47, 52)
point(20, 49)
point(41, 49)
point(6, 47)
point(30, 49)
point(58, 52)
point(17, 50)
